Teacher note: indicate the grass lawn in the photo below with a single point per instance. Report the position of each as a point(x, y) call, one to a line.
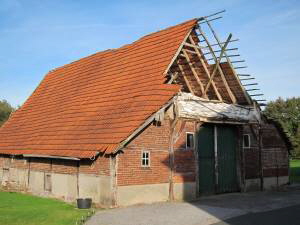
point(21, 209)
point(295, 171)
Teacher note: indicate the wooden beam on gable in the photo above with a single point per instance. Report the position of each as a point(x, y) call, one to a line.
point(217, 63)
point(232, 97)
point(173, 77)
point(178, 51)
point(203, 63)
point(193, 45)
point(229, 62)
point(194, 71)
point(185, 78)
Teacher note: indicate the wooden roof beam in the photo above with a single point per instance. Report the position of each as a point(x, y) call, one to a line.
point(217, 67)
point(194, 71)
point(185, 78)
point(229, 62)
point(203, 63)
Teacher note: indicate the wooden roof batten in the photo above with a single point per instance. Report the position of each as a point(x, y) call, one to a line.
point(205, 68)
point(219, 43)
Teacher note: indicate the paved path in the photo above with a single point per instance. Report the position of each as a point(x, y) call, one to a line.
point(208, 210)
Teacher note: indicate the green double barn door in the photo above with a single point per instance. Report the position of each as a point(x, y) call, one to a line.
point(217, 145)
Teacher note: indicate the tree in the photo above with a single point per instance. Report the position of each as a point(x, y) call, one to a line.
point(287, 114)
point(5, 110)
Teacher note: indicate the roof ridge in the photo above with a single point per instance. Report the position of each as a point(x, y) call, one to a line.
point(122, 46)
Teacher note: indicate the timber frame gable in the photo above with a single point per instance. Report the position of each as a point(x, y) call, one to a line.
point(192, 69)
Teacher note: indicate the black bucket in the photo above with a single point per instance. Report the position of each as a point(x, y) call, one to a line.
point(84, 203)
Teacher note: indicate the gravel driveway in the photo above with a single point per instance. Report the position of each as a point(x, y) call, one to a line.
point(207, 210)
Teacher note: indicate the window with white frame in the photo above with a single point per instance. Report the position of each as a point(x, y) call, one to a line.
point(189, 140)
point(145, 159)
point(246, 141)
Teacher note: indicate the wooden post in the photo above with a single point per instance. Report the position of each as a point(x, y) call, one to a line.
point(260, 158)
point(216, 157)
point(171, 159)
point(113, 178)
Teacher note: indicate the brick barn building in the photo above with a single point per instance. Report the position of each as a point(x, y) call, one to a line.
point(164, 118)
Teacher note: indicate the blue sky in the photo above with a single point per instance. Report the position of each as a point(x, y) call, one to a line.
point(37, 36)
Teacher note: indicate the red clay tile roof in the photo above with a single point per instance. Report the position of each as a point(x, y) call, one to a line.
point(93, 104)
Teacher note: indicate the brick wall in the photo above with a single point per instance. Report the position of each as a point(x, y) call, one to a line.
point(100, 166)
point(156, 139)
point(184, 158)
point(274, 153)
point(251, 155)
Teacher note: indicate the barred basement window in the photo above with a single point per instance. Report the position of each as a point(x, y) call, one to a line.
point(48, 184)
point(246, 141)
point(145, 159)
point(189, 140)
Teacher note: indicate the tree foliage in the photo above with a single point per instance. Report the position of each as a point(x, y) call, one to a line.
point(5, 110)
point(287, 113)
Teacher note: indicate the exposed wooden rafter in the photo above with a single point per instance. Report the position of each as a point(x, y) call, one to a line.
point(194, 72)
point(204, 65)
point(229, 62)
point(217, 65)
point(231, 95)
point(185, 78)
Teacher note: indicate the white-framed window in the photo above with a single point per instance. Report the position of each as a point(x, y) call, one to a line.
point(246, 141)
point(145, 162)
point(189, 140)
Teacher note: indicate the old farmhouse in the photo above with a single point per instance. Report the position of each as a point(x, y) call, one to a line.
point(164, 118)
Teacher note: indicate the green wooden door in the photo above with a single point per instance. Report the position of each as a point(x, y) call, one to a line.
point(227, 171)
point(206, 159)
point(220, 141)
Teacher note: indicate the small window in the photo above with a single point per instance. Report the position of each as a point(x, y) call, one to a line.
point(246, 141)
point(145, 159)
point(189, 140)
point(48, 182)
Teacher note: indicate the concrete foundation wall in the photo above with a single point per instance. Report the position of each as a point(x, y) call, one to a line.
point(149, 193)
point(252, 184)
point(185, 191)
point(271, 183)
point(135, 194)
point(63, 186)
point(36, 182)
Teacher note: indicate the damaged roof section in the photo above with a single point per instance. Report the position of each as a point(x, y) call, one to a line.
point(192, 107)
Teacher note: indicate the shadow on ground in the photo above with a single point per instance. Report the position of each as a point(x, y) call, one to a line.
point(289, 215)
